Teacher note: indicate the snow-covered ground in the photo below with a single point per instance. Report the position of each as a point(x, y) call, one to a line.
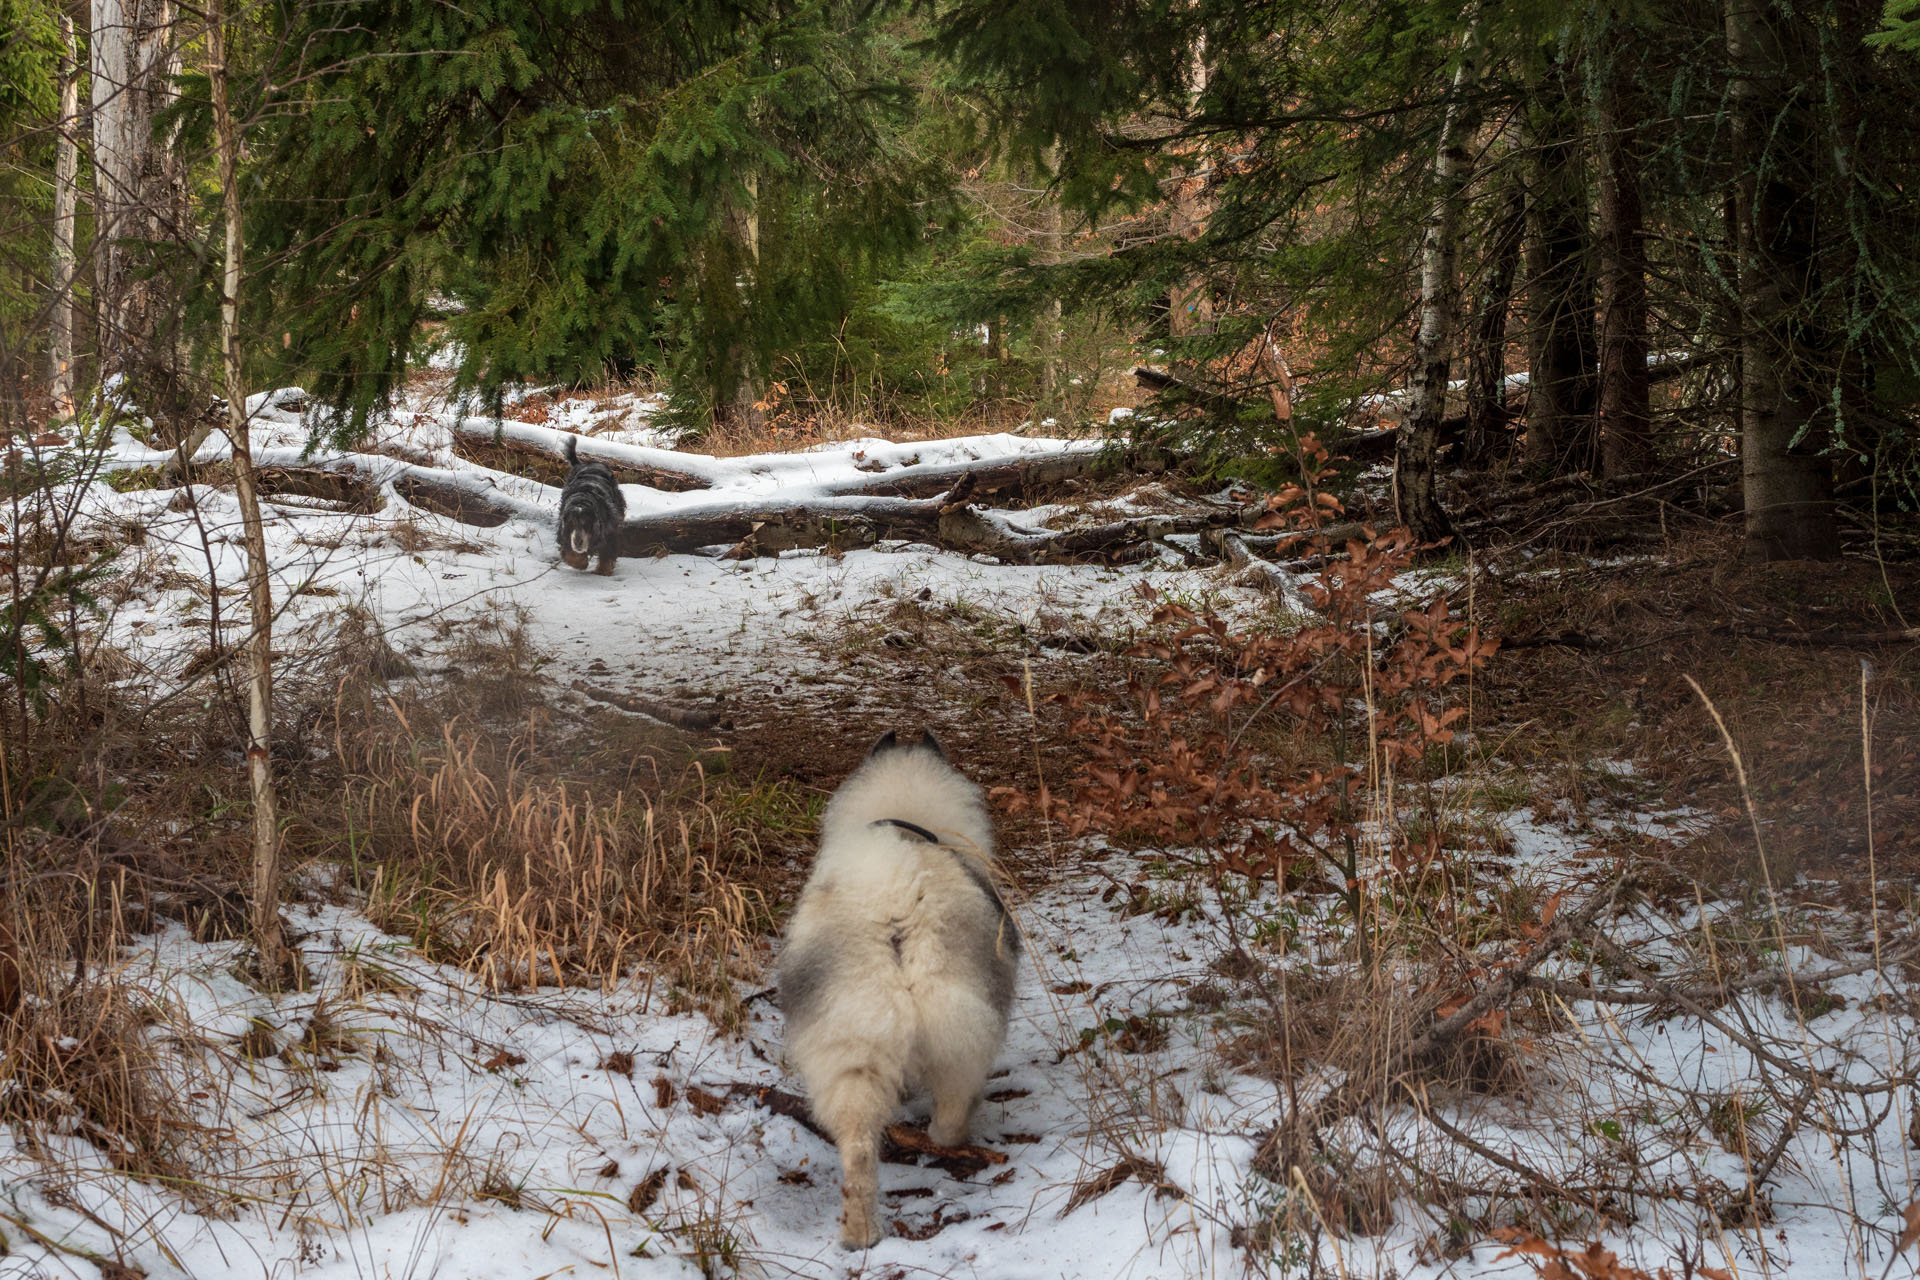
point(401, 1121)
point(677, 623)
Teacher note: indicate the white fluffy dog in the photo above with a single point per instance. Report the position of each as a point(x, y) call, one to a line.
point(899, 962)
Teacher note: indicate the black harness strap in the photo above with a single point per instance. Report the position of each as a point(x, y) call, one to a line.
point(975, 872)
point(904, 825)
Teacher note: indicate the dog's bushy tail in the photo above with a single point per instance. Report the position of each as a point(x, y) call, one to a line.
point(573, 448)
point(911, 782)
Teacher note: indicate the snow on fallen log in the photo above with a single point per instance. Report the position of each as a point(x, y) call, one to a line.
point(471, 497)
point(858, 467)
point(839, 497)
point(757, 524)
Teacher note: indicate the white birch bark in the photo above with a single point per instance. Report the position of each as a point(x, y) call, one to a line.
point(66, 199)
point(1415, 487)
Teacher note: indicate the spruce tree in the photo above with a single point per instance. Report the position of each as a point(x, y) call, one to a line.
point(563, 188)
point(1327, 119)
point(29, 106)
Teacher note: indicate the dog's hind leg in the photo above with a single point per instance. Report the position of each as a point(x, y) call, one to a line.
point(956, 1092)
point(853, 1107)
point(860, 1191)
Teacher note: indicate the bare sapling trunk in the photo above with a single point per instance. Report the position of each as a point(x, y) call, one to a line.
point(66, 200)
point(1785, 473)
point(269, 935)
point(743, 405)
point(1625, 412)
point(1416, 464)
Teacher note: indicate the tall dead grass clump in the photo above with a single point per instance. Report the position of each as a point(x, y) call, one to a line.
point(77, 1059)
point(463, 840)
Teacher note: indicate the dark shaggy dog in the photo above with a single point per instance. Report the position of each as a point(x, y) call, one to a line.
point(591, 510)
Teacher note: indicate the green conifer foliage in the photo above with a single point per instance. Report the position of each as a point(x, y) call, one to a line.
point(29, 66)
point(1315, 126)
point(560, 184)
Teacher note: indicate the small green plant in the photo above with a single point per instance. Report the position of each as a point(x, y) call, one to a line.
point(1735, 1120)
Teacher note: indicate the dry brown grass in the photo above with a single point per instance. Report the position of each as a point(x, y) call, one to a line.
point(528, 844)
point(529, 880)
point(77, 1058)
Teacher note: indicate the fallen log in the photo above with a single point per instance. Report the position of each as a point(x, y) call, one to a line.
point(475, 499)
point(349, 492)
point(452, 501)
point(843, 523)
point(758, 526)
point(537, 461)
point(1025, 476)
point(891, 470)
point(680, 717)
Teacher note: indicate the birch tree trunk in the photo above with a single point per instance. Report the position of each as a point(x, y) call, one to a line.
point(139, 193)
point(275, 958)
point(66, 200)
point(1415, 465)
point(1786, 477)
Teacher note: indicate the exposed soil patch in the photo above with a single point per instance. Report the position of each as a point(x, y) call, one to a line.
point(1596, 666)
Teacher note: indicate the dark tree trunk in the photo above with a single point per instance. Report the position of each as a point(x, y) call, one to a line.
point(1560, 341)
point(1786, 475)
point(1625, 412)
point(1487, 415)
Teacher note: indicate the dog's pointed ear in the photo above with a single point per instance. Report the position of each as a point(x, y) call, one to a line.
point(888, 742)
point(931, 743)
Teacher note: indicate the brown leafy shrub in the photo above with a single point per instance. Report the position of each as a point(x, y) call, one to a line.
point(1175, 758)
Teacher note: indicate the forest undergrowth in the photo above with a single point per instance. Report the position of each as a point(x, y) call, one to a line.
point(1331, 796)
